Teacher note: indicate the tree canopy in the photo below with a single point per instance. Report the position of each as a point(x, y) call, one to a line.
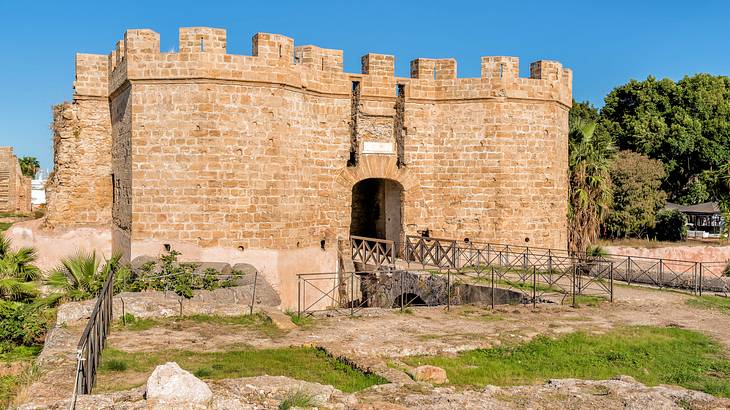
point(684, 124)
point(29, 166)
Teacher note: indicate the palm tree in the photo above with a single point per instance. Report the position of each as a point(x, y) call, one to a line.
point(18, 273)
point(590, 195)
point(81, 276)
point(29, 166)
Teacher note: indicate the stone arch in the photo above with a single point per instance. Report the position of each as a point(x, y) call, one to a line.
point(375, 166)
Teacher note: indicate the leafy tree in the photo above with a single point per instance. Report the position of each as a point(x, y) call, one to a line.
point(18, 272)
point(637, 195)
point(29, 166)
point(671, 225)
point(685, 124)
point(589, 156)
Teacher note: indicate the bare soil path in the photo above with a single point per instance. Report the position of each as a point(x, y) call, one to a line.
point(378, 336)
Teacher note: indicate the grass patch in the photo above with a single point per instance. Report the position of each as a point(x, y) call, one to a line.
point(718, 303)
point(11, 384)
point(650, 354)
point(4, 226)
point(298, 399)
point(588, 300)
point(115, 365)
point(303, 321)
point(303, 363)
point(258, 322)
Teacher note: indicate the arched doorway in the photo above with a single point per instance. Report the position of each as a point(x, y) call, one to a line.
point(376, 209)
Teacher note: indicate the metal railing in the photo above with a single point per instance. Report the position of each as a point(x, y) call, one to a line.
point(448, 273)
point(691, 276)
point(93, 339)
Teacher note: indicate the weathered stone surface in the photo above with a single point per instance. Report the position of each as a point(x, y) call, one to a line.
point(169, 384)
point(223, 301)
point(430, 374)
point(245, 158)
point(14, 186)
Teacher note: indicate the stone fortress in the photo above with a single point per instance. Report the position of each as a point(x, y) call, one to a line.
point(15, 188)
point(275, 159)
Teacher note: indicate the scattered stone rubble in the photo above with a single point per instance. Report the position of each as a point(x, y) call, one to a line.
point(171, 387)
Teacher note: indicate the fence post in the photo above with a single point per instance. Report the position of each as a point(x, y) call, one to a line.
point(492, 287)
point(575, 269)
point(694, 270)
point(610, 282)
point(701, 278)
point(401, 291)
point(448, 290)
point(550, 263)
point(299, 296)
point(628, 269)
point(534, 288)
point(352, 293)
point(253, 293)
point(661, 272)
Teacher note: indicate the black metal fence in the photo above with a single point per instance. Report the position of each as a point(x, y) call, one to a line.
point(436, 271)
point(691, 276)
point(93, 339)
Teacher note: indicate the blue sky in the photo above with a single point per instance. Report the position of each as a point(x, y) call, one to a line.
point(605, 44)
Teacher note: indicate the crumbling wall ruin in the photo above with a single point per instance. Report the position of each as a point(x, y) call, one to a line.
point(79, 190)
point(14, 186)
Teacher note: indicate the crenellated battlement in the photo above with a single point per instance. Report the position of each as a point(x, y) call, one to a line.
point(275, 59)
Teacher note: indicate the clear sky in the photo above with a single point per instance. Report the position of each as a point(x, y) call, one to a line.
point(605, 44)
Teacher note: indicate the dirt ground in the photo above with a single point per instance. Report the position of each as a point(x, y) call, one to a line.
point(377, 335)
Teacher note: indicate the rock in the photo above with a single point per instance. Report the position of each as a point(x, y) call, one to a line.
point(171, 384)
point(221, 268)
point(430, 374)
point(280, 320)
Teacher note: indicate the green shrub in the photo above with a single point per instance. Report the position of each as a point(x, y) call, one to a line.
point(23, 324)
point(115, 365)
point(168, 274)
point(203, 372)
point(298, 399)
point(671, 225)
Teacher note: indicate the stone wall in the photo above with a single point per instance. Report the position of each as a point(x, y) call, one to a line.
point(14, 186)
point(79, 189)
point(257, 155)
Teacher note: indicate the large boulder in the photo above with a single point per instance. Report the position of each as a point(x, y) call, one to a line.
point(430, 374)
point(169, 384)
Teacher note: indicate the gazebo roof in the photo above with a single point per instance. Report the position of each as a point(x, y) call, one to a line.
point(704, 208)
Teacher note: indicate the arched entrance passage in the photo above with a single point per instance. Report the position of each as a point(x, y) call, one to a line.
point(376, 209)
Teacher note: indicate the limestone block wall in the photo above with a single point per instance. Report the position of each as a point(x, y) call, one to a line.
point(14, 186)
point(79, 190)
point(256, 156)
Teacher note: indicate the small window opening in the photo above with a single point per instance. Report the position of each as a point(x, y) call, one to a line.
point(355, 86)
point(501, 70)
point(466, 240)
point(279, 50)
point(322, 243)
point(322, 63)
point(527, 240)
point(202, 45)
point(167, 247)
point(240, 248)
point(434, 74)
point(400, 90)
point(114, 190)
